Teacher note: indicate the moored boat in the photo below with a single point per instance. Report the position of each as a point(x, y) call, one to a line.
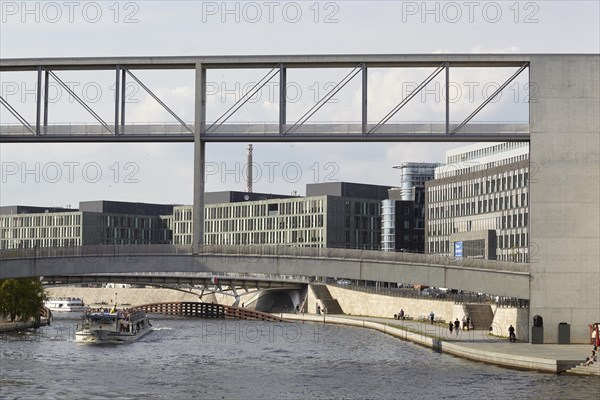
point(116, 326)
point(66, 304)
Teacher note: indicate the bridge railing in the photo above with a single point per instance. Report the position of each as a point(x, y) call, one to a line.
point(325, 254)
point(458, 298)
point(256, 251)
point(246, 276)
point(316, 129)
point(126, 250)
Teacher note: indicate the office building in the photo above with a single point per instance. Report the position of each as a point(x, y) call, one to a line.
point(94, 223)
point(403, 213)
point(335, 215)
point(340, 214)
point(478, 203)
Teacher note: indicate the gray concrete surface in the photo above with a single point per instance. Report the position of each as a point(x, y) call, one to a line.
point(475, 345)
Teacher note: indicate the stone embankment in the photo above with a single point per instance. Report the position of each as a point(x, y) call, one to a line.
point(125, 296)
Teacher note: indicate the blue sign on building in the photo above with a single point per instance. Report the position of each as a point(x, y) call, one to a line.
point(458, 249)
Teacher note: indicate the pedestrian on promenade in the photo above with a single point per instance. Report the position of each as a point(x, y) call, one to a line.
point(450, 326)
point(431, 317)
point(464, 322)
point(318, 309)
point(511, 334)
point(457, 326)
point(401, 315)
point(468, 323)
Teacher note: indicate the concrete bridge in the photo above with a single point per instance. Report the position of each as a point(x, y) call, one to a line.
point(493, 277)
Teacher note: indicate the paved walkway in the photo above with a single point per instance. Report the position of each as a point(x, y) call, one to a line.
point(474, 344)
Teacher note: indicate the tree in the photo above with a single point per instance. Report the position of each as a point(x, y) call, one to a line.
point(23, 298)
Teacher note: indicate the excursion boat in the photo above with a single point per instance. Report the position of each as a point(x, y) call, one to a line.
point(66, 304)
point(116, 326)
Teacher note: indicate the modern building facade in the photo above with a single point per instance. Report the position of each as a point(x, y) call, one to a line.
point(339, 215)
point(403, 213)
point(94, 223)
point(335, 215)
point(478, 204)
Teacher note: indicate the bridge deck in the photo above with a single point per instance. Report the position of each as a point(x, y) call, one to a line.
point(268, 132)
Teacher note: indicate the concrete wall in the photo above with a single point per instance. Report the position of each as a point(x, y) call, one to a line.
point(565, 192)
point(133, 296)
point(358, 303)
point(505, 317)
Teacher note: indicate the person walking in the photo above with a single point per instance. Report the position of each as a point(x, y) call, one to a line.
point(431, 317)
point(468, 323)
point(457, 326)
point(511, 334)
point(464, 322)
point(450, 326)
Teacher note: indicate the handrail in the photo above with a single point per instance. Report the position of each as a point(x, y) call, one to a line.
point(277, 251)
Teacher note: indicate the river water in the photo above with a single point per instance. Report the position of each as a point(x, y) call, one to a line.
point(218, 359)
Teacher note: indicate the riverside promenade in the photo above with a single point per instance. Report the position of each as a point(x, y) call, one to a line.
point(475, 345)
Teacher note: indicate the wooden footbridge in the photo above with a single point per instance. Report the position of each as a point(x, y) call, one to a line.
point(206, 310)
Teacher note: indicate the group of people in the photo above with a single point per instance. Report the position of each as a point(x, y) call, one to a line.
point(321, 310)
point(455, 326)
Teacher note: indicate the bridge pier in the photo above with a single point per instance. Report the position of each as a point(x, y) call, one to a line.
point(199, 160)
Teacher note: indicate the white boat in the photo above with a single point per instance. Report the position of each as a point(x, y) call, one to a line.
point(66, 304)
point(117, 326)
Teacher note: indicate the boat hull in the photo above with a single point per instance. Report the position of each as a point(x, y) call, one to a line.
point(108, 336)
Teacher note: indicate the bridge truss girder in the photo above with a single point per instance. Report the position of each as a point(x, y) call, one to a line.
point(283, 130)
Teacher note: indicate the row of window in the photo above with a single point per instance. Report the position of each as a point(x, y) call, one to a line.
point(262, 224)
point(8, 244)
point(41, 232)
point(516, 219)
point(296, 237)
point(480, 187)
point(506, 244)
point(463, 207)
point(35, 220)
point(128, 222)
point(486, 151)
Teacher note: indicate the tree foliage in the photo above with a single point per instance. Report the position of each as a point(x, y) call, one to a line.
point(22, 298)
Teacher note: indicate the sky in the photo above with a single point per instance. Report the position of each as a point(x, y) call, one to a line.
point(64, 174)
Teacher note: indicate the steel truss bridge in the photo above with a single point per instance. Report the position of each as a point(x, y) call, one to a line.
point(117, 129)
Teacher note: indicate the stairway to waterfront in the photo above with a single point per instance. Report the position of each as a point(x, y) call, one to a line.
point(322, 294)
point(481, 315)
point(593, 369)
